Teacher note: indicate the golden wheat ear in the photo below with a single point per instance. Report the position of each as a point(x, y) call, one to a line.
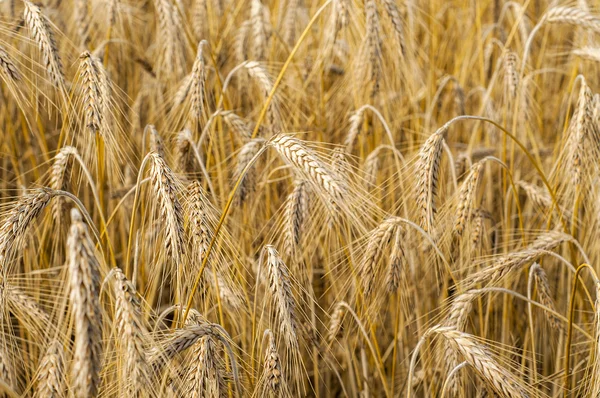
point(51, 372)
point(131, 330)
point(84, 286)
point(42, 35)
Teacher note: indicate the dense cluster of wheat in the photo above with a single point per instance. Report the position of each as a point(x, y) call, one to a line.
point(278, 198)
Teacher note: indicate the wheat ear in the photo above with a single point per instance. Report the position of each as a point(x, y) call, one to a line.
point(8, 69)
point(41, 33)
point(84, 285)
point(428, 168)
point(131, 330)
point(482, 361)
point(59, 177)
point(378, 239)
point(51, 372)
point(544, 294)
point(204, 376)
point(245, 155)
point(280, 289)
point(508, 263)
point(165, 189)
point(19, 219)
point(295, 215)
point(307, 163)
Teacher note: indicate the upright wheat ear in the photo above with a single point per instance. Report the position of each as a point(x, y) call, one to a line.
point(394, 14)
point(336, 322)
point(580, 131)
point(165, 189)
point(280, 288)
point(511, 77)
point(84, 285)
point(466, 198)
point(457, 318)
point(245, 155)
point(51, 373)
point(204, 376)
point(373, 42)
point(273, 379)
point(296, 214)
point(198, 84)
point(199, 220)
point(378, 240)
point(156, 142)
point(130, 328)
point(545, 295)
point(397, 262)
point(356, 120)
point(259, 29)
point(96, 93)
point(59, 176)
point(427, 169)
point(44, 37)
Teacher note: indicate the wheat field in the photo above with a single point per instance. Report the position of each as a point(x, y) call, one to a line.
point(299, 198)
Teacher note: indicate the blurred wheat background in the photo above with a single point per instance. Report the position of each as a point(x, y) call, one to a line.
point(284, 198)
